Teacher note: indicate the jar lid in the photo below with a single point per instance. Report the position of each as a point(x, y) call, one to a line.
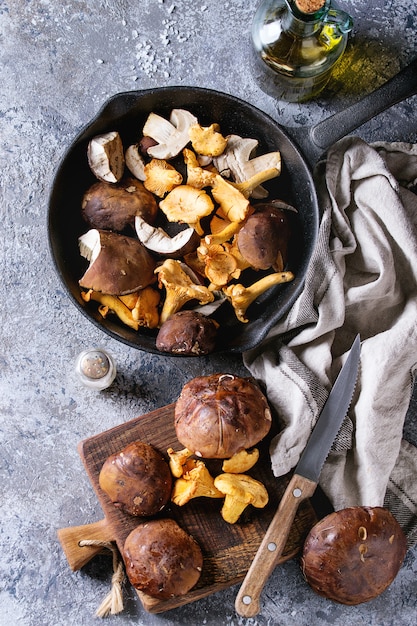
point(95, 368)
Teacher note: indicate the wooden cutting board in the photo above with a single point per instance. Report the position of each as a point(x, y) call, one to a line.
point(228, 549)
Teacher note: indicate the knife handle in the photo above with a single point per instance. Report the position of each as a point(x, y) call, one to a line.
point(247, 599)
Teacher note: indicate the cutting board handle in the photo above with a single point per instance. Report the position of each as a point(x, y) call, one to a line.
point(78, 556)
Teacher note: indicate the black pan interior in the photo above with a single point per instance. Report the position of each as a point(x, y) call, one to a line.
point(126, 113)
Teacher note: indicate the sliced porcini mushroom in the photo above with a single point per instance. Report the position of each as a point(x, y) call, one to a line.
point(238, 162)
point(118, 264)
point(114, 207)
point(106, 158)
point(263, 239)
point(156, 239)
point(135, 161)
point(172, 136)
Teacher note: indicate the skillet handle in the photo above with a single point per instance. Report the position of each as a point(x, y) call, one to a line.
point(272, 545)
point(398, 88)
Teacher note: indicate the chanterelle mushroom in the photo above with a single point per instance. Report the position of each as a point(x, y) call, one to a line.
point(242, 297)
point(207, 141)
point(161, 177)
point(195, 483)
point(179, 288)
point(240, 490)
point(172, 136)
point(187, 205)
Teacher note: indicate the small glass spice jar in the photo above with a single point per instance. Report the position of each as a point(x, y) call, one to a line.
point(95, 368)
point(296, 45)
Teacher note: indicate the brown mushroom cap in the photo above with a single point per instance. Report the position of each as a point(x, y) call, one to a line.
point(162, 559)
point(221, 414)
point(122, 265)
point(353, 555)
point(137, 479)
point(265, 236)
point(115, 206)
point(188, 333)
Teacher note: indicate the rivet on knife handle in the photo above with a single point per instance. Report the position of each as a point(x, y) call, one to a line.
point(272, 546)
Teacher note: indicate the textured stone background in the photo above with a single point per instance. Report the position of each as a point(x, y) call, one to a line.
point(60, 61)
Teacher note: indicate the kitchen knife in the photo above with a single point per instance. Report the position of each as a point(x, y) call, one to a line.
point(301, 486)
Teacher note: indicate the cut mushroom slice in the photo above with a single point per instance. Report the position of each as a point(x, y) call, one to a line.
point(237, 161)
point(157, 240)
point(172, 136)
point(106, 158)
point(135, 162)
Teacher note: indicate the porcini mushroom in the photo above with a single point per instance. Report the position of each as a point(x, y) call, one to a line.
point(135, 161)
point(238, 161)
point(354, 554)
point(162, 560)
point(118, 264)
point(105, 157)
point(137, 479)
point(172, 136)
point(217, 415)
point(156, 239)
point(114, 207)
point(187, 333)
point(263, 239)
point(240, 490)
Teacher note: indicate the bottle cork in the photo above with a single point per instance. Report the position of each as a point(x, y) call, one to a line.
point(309, 6)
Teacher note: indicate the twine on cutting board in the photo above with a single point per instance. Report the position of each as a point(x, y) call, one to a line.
point(113, 602)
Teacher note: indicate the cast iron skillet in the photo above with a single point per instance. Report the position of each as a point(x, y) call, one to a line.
point(127, 112)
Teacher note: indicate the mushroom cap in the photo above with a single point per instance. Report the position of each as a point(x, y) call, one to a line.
point(220, 414)
point(353, 555)
point(114, 207)
point(188, 333)
point(118, 264)
point(137, 479)
point(264, 236)
point(162, 559)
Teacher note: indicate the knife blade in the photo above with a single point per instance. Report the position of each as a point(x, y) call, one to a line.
point(301, 486)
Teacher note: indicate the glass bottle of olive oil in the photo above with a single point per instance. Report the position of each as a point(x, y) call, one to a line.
point(297, 44)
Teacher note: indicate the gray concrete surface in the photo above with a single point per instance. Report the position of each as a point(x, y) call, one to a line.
point(60, 61)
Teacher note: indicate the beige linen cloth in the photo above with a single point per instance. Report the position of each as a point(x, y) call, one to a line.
point(362, 278)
